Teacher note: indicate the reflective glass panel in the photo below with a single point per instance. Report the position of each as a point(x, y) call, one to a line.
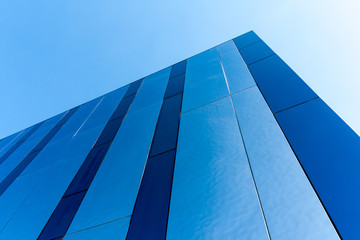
point(236, 71)
point(246, 39)
point(47, 194)
point(329, 151)
point(291, 207)
point(213, 194)
point(204, 80)
point(113, 191)
point(39, 205)
point(255, 52)
point(152, 90)
point(10, 140)
point(16, 157)
point(280, 85)
point(114, 230)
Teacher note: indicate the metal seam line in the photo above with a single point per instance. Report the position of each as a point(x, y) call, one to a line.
point(34, 152)
point(318, 196)
point(158, 173)
point(63, 215)
point(243, 143)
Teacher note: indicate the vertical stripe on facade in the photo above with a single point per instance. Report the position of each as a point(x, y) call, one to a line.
point(149, 218)
point(34, 152)
point(65, 211)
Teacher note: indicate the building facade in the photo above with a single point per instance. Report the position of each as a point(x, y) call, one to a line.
point(227, 144)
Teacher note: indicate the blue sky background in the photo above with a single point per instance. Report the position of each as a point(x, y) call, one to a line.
point(56, 54)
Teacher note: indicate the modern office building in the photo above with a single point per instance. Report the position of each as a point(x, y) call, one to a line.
point(227, 144)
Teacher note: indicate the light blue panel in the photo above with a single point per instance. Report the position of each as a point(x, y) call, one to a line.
point(16, 157)
point(204, 80)
point(51, 152)
point(236, 71)
point(116, 230)
point(113, 191)
point(32, 216)
point(291, 207)
point(10, 140)
point(213, 194)
point(15, 195)
point(152, 90)
point(55, 150)
point(76, 121)
point(105, 109)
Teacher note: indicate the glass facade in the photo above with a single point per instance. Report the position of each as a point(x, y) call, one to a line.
point(228, 144)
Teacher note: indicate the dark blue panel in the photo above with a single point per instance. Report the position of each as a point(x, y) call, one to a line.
point(123, 107)
point(166, 131)
point(88, 169)
point(134, 87)
point(329, 151)
point(18, 144)
point(246, 39)
point(149, 218)
point(34, 152)
point(109, 131)
point(175, 86)
point(178, 68)
point(255, 52)
point(61, 218)
point(279, 84)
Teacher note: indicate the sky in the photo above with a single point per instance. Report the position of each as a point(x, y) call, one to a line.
point(55, 55)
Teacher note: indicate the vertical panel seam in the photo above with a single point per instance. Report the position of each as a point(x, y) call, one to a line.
point(308, 178)
point(93, 147)
point(247, 156)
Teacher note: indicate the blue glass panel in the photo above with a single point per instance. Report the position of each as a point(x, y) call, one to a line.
point(165, 135)
point(246, 39)
point(16, 157)
point(105, 109)
point(23, 138)
point(280, 85)
point(329, 151)
point(88, 170)
point(122, 167)
point(175, 86)
point(64, 213)
point(151, 211)
point(178, 69)
point(15, 195)
point(133, 87)
point(123, 107)
point(291, 207)
point(57, 147)
point(114, 230)
point(47, 194)
point(10, 140)
point(152, 90)
point(204, 81)
point(213, 195)
point(236, 71)
point(255, 52)
point(109, 132)
point(72, 198)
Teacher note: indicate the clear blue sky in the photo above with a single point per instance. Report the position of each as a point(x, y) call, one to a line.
point(56, 54)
